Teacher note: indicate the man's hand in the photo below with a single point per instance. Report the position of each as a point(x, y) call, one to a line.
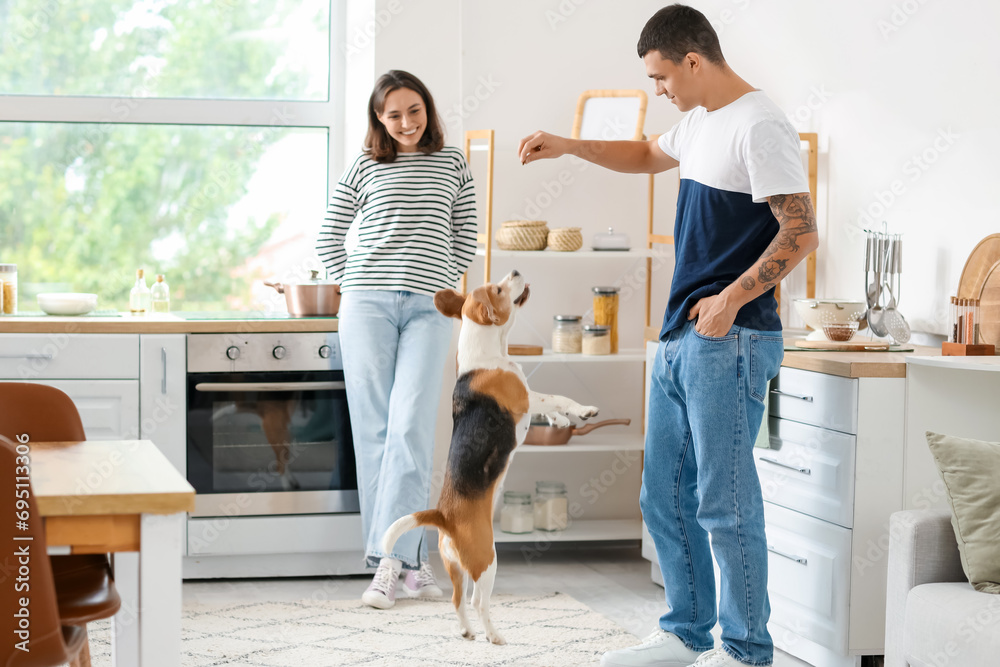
point(715, 316)
point(541, 146)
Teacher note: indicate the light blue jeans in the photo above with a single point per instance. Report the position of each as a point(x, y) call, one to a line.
point(394, 346)
point(699, 480)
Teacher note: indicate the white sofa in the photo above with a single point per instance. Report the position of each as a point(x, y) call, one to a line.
point(934, 617)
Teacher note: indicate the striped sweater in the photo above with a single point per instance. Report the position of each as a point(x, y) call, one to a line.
point(416, 223)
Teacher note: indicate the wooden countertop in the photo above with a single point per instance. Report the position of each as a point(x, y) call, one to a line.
point(106, 477)
point(166, 323)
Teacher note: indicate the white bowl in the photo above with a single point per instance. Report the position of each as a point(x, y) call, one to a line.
point(67, 303)
point(817, 312)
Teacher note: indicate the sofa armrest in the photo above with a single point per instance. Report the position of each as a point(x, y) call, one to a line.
point(922, 549)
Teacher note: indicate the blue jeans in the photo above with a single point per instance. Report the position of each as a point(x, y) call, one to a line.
point(394, 346)
point(699, 479)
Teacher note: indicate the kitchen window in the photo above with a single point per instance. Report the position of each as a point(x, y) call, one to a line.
point(194, 139)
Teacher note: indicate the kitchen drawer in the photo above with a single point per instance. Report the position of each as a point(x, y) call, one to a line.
point(809, 576)
point(809, 469)
point(819, 399)
point(109, 409)
point(69, 356)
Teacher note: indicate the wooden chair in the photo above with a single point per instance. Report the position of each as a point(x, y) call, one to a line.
point(84, 584)
point(49, 642)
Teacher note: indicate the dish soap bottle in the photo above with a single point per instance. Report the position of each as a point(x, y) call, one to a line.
point(160, 295)
point(138, 298)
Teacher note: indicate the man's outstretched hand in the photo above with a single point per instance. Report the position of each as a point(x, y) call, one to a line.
point(541, 146)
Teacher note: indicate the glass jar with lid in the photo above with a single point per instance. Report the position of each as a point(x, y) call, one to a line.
point(516, 516)
point(551, 506)
point(596, 339)
point(567, 334)
point(8, 289)
point(606, 312)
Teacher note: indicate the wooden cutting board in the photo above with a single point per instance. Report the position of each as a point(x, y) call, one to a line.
point(981, 261)
point(523, 350)
point(989, 307)
point(852, 345)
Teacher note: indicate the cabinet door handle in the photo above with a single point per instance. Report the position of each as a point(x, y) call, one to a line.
point(26, 356)
point(778, 392)
point(797, 559)
point(163, 382)
point(804, 471)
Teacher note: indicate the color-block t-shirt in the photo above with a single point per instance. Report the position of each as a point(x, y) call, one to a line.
point(731, 160)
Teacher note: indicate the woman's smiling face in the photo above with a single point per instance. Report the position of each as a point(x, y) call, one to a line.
point(405, 118)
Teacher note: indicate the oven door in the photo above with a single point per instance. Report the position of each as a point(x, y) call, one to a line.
point(270, 443)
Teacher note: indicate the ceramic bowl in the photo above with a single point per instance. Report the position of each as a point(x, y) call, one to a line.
point(67, 303)
point(817, 313)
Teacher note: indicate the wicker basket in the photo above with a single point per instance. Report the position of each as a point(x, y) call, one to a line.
point(522, 235)
point(565, 239)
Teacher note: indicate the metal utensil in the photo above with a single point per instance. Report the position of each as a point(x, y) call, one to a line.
point(310, 299)
point(893, 320)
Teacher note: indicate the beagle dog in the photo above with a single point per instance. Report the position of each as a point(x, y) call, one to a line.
point(492, 408)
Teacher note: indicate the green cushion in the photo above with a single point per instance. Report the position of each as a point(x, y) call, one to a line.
point(971, 473)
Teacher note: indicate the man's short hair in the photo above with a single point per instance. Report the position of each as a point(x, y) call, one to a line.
point(677, 30)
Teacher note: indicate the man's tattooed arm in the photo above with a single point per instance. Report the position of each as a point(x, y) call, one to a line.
point(796, 238)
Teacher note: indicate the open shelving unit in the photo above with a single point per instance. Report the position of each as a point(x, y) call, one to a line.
point(594, 530)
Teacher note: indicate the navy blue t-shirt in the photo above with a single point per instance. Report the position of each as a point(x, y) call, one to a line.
point(731, 160)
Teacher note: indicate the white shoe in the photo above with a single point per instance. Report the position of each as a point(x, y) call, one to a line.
point(717, 657)
point(660, 649)
point(381, 593)
point(421, 583)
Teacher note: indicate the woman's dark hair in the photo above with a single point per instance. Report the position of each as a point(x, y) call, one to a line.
point(678, 30)
point(381, 147)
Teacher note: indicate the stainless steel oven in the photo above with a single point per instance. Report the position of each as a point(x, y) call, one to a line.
point(268, 430)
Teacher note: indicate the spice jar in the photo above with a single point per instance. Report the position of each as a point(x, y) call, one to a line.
point(517, 516)
point(551, 506)
point(8, 289)
point(606, 312)
point(596, 339)
point(567, 334)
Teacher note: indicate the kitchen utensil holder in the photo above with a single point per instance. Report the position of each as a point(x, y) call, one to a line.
point(965, 350)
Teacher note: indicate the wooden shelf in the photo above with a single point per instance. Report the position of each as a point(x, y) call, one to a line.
point(624, 354)
point(625, 442)
point(579, 531)
point(550, 254)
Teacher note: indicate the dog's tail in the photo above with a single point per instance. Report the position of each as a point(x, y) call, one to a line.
point(411, 521)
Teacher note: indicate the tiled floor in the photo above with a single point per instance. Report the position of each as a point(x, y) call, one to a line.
point(613, 581)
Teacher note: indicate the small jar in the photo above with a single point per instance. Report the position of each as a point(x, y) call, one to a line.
point(596, 339)
point(606, 312)
point(551, 506)
point(567, 334)
point(8, 289)
point(516, 516)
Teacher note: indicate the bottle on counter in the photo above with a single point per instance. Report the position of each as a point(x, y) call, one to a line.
point(160, 295)
point(138, 298)
point(8, 289)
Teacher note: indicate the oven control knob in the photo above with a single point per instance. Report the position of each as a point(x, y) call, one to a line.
point(325, 352)
point(278, 352)
point(233, 352)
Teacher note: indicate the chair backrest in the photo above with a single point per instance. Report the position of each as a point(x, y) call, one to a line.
point(44, 413)
point(27, 591)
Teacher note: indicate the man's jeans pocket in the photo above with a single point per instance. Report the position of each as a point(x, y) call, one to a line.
point(766, 353)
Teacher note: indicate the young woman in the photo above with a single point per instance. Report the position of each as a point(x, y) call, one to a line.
point(413, 202)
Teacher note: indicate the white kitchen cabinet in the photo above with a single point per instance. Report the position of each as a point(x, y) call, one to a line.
point(163, 395)
point(99, 372)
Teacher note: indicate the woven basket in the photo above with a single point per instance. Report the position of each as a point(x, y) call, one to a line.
point(522, 235)
point(565, 239)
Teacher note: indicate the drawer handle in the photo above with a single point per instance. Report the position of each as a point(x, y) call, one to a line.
point(26, 356)
point(807, 399)
point(163, 382)
point(804, 471)
point(797, 559)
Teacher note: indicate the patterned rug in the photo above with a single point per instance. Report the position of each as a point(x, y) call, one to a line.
point(543, 631)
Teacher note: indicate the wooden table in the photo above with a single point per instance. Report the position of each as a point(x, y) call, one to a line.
point(121, 497)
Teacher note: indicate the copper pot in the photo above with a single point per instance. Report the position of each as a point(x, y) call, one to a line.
point(310, 299)
point(542, 434)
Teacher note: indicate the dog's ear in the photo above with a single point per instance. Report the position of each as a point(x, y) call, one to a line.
point(479, 309)
point(449, 302)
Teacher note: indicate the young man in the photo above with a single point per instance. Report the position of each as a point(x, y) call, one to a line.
point(744, 220)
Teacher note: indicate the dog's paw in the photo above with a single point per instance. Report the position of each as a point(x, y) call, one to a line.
point(496, 638)
point(585, 411)
point(467, 633)
point(558, 419)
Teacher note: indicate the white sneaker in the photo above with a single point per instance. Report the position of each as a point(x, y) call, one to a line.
point(660, 649)
point(421, 583)
point(381, 593)
point(717, 657)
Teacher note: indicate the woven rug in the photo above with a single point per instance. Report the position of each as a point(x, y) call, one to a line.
point(542, 631)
